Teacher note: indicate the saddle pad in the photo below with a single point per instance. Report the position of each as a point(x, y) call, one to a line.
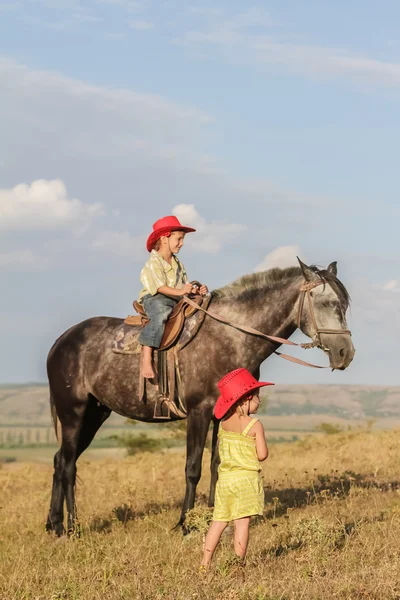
point(126, 340)
point(136, 320)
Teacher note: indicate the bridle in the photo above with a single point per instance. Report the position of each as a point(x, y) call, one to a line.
point(305, 291)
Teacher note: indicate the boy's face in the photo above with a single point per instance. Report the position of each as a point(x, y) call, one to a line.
point(175, 241)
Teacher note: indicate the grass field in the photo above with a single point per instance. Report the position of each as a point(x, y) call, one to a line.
point(331, 528)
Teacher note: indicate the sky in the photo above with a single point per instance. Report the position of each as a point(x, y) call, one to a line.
point(271, 127)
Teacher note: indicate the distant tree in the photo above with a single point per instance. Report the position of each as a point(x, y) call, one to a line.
point(329, 428)
point(134, 444)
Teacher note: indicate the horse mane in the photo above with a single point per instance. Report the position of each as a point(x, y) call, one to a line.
point(263, 281)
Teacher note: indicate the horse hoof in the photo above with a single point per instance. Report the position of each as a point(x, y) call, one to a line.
point(74, 532)
point(181, 525)
point(57, 528)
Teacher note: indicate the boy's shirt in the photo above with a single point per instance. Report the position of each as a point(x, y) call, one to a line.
point(158, 272)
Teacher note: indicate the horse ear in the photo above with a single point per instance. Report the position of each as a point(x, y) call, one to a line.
point(333, 268)
point(307, 272)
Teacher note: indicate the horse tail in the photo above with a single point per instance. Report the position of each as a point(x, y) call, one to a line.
point(54, 415)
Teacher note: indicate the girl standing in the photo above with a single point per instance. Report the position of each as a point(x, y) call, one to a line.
point(239, 493)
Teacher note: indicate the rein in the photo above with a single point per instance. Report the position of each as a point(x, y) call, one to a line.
point(305, 290)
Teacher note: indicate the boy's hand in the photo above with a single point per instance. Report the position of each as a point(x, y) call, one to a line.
point(186, 289)
point(203, 290)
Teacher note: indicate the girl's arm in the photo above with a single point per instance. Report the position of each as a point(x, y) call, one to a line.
point(261, 444)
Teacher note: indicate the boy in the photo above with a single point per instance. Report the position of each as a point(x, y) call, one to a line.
point(164, 282)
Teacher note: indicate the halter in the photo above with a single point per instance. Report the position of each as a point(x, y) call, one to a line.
point(305, 290)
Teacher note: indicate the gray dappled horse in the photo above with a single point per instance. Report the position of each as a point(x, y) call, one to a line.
point(88, 381)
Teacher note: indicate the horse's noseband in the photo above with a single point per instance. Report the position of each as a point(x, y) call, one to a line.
point(305, 290)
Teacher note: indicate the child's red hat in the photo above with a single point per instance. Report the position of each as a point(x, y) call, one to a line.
point(164, 226)
point(233, 387)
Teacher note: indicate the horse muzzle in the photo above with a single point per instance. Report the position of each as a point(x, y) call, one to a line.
point(340, 349)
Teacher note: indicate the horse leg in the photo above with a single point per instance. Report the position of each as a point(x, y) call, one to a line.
point(78, 430)
point(69, 450)
point(215, 460)
point(64, 476)
point(73, 445)
point(56, 513)
point(94, 417)
point(197, 427)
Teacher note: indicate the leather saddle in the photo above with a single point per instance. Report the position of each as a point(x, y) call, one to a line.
point(175, 323)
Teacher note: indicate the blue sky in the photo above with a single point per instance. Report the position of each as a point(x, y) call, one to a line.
point(274, 124)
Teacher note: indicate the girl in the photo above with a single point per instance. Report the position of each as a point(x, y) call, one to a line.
point(239, 493)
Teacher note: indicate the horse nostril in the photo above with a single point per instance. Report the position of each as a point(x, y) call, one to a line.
point(341, 352)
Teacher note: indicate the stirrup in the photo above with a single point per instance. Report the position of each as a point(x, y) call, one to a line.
point(162, 400)
point(171, 408)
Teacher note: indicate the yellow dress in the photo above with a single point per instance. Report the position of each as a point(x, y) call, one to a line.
point(239, 492)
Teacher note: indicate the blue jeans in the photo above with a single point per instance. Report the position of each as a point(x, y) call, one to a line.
point(158, 308)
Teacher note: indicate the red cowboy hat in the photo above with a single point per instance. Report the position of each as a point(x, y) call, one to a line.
point(233, 386)
point(164, 226)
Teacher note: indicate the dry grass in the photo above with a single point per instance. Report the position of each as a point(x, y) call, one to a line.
point(332, 529)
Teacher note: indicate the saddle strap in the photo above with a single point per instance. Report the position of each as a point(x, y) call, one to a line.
point(271, 338)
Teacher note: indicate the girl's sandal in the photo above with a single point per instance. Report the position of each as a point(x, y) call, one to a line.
point(203, 569)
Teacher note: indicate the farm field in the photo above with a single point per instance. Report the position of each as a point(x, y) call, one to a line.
point(39, 444)
point(331, 528)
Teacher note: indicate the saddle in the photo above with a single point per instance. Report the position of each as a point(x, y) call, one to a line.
point(166, 391)
point(175, 323)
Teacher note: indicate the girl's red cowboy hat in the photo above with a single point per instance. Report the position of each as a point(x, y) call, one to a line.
point(233, 387)
point(164, 226)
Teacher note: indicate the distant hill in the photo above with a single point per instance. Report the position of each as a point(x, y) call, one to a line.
point(29, 404)
point(346, 401)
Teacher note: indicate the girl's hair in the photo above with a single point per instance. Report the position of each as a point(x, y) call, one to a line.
point(237, 407)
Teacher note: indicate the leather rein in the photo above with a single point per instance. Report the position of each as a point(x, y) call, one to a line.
point(305, 290)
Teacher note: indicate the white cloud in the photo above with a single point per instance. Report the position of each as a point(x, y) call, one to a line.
point(43, 205)
point(141, 25)
point(240, 42)
point(94, 121)
point(318, 61)
point(392, 286)
point(284, 256)
point(210, 236)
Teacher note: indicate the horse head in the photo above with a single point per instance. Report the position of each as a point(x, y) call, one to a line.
point(323, 304)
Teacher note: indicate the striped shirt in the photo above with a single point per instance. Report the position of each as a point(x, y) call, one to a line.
point(158, 272)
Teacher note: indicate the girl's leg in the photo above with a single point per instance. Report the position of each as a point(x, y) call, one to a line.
point(241, 537)
point(212, 538)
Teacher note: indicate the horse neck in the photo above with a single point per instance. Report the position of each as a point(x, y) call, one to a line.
point(273, 312)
